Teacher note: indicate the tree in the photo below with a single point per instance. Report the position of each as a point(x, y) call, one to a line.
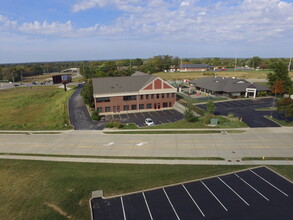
point(87, 93)
point(278, 88)
point(280, 74)
point(255, 62)
point(285, 106)
point(189, 114)
point(211, 107)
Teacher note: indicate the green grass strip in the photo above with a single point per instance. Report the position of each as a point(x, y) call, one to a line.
point(115, 157)
point(29, 133)
point(173, 132)
point(266, 158)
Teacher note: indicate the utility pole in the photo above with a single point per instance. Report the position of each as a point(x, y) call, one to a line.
point(289, 66)
point(235, 62)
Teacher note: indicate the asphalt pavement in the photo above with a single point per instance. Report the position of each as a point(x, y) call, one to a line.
point(79, 116)
point(245, 109)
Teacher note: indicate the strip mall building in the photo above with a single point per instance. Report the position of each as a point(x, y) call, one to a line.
point(129, 94)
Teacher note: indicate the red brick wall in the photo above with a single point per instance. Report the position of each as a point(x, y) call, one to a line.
point(119, 102)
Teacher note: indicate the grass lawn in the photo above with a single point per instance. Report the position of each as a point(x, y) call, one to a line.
point(261, 74)
point(283, 123)
point(223, 123)
point(29, 189)
point(43, 190)
point(39, 108)
point(172, 132)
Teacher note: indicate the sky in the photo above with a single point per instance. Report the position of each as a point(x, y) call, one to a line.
point(68, 30)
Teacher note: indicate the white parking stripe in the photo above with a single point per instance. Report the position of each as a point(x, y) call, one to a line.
point(233, 191)
point(147, 205)
point(214, 195)
point(194, 201)
point(252, 187)
point(123, 208)
point(171, 204)
point(269, 183)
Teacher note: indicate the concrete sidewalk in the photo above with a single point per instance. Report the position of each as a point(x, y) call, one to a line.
point(147, 161)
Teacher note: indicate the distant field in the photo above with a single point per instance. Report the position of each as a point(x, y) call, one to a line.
point(39, 108)
point(260, 74)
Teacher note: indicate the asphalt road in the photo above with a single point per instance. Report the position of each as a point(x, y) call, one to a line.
point(246, 110)
point(79, 116)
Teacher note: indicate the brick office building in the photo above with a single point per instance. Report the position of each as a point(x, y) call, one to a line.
point(136, 93)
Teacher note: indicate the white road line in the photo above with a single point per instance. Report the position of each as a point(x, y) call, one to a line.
point(147, 205)
point(194, 201)
point(233, 191)
point(269, 183)
point(171, 204)
point(109, 144)
point(252, 187)
point(214, 195)
point(141, 144)
point(123, 208)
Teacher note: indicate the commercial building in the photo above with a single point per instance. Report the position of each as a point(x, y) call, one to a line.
point(231, 87)
point(129, 94)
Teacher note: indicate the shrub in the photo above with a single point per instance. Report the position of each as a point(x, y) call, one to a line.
point(207, 118)
point(95, 115)
point(114, 124)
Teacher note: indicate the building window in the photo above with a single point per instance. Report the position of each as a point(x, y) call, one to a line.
point(168, 95)
point(141, 106)
point(173, 95)
point(163, 95)
point(165, 104)
point(141, 97)
point(170, 104)
point(146, 96)
point(133, 107)
point(152, 96)
point(130, 97)
point(103, 99)
point(114, 108)
point(108, 109)
point(100, 109)
point(158, 96)
point(126, 107)
point(149, 106)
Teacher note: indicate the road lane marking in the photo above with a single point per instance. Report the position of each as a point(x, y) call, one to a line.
point(147, 205)
point(194, 201)
point(109, 144)
point(214, 196)
point(252, 187)
point(123, 208)
point(233, 191)
point(171, 204)
point(269, 183)
point(141, 144)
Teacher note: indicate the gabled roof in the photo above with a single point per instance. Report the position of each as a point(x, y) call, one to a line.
point(221, 84)
point(122, 84)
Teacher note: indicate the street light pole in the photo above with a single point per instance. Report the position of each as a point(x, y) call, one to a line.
point(273, 104)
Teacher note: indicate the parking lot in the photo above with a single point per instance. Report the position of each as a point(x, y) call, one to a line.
point(245, 109)
point(252, 194)
point(159, 117)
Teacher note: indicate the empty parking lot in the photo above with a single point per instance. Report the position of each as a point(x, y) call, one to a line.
point(252, 194)
point(246, 110)
point(159, 117)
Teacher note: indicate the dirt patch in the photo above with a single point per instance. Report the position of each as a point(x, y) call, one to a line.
point(59, 210)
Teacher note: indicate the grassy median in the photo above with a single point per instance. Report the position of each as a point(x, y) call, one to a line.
point(59, 190)
point(38, 108)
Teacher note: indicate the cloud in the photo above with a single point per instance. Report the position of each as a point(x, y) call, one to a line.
point(173, 20)
point(119, 4)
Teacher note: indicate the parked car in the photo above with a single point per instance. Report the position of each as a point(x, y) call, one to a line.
point(149, 122)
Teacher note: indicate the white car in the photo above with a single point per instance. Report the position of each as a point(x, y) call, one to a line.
point(149, 122)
